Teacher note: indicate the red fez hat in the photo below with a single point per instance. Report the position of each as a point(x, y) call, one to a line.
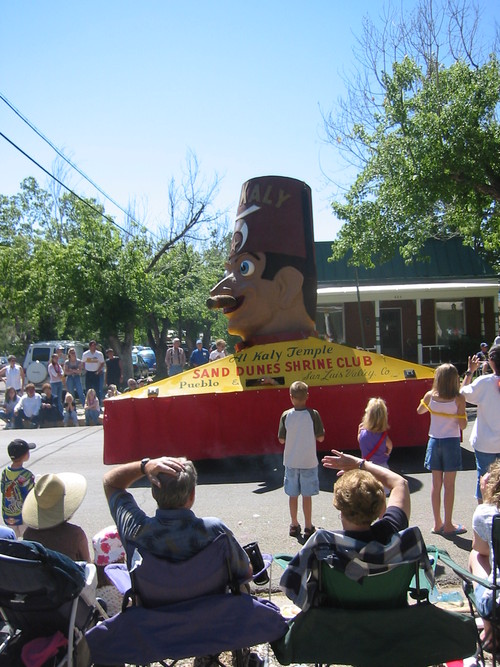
point(274, 215)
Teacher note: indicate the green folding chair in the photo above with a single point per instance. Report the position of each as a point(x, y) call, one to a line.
point(382, 620)
point(470, 579)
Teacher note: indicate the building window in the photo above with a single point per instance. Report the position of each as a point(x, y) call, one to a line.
point(449, 321)
point(330, 323)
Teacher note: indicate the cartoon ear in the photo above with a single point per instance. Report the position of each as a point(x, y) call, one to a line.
point(289, 281)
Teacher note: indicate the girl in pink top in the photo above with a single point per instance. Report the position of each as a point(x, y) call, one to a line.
point(444, 456)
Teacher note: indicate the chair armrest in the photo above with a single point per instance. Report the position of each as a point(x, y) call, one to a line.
point(464, 574)
point(282, 560)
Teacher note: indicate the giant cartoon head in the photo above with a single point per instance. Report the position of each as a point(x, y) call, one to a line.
point(270, 284)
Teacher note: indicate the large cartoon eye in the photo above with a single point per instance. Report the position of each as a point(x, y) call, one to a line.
point(247, 267)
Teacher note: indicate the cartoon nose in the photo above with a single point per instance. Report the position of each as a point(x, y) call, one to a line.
point(220, 295)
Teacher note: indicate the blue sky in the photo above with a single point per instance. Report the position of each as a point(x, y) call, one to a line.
point(127, 88)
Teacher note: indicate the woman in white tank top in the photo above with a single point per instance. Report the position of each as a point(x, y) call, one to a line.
point(443, 455)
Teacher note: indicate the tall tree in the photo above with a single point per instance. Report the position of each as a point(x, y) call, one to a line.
point(420, 124)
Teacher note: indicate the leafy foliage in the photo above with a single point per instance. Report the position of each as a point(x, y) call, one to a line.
point(427, 143)
point(79, 276)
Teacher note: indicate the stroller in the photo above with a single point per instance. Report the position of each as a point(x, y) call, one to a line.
point(47, 602)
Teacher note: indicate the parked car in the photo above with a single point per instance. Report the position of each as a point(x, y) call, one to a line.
point(141, 369)
point(149, 357)
point(38, 357)
point(3, 361)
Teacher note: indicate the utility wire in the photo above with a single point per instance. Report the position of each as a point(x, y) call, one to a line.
point(66, 159)
point(84, 201)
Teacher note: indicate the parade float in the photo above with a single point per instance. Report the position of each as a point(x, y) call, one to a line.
point(232, 406)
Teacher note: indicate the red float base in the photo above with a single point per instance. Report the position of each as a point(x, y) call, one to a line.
point(216, 425)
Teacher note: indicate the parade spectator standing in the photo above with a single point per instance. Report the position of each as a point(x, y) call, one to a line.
point(444, 455)
point(73, 372)
point(220, 350)
point(47, 510)
point(28, 408)
point(483, 355)
point(299, 429)
point(374, 443)
point(50, 415)
point(199, 355)
point(114, 371)
point(13, 374)
point(175, 358)
point(56, 374)
point(17, 481)
point(497, 339)
point(93, 364)
point(7, 411)
point(484, 392)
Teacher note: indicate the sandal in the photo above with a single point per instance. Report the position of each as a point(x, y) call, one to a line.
point(309, 531)
point(295, 530)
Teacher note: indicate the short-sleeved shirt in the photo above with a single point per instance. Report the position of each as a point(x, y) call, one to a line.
point(113, 370)
point(13, 376)
point(198, 357)
point(92, 361)
point(15, 485)
point(484, 392)
point(482, 524)
point(393, 521)
point(300, 429)
point(176, 534)
point(67, 538)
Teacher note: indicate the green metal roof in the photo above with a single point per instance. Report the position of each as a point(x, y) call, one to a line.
point(448, 260)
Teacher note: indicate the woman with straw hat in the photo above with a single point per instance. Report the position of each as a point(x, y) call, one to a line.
point(47, 510)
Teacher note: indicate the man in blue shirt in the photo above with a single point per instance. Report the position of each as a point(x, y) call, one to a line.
point(199, 355)
point(175, 532)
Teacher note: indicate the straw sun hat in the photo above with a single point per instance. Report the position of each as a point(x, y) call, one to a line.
point(54, 499)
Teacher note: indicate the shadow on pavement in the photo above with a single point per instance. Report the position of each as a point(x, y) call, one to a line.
point(267, 470)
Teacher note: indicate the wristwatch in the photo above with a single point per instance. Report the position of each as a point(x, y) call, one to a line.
point(143, 465)
point(361, 464)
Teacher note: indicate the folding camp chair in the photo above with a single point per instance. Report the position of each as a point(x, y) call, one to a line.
point(47, 601)
point(492, 585)
point(183, 610)
point(381, 619)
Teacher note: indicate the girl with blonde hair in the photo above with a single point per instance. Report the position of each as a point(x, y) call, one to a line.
point(374, 443)
point(443, 455)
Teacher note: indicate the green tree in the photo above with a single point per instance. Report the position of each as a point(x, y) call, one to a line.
point(70, 271)
point(422, 129)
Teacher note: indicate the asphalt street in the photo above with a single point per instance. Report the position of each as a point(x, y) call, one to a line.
point(246, 493)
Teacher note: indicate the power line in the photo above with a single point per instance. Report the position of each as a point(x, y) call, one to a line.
point(66, 159)
point(84, 201)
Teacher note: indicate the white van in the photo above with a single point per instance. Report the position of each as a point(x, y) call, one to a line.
point(38, 358)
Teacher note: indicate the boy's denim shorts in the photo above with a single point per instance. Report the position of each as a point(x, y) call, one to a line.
point(301, 481)
point(443, 454)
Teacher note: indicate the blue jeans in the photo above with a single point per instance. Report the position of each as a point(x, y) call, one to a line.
point(70, 417)
point(74, 386)
point(20, 416)
point(483, 462)
point(92, 417)
point(57, 389)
